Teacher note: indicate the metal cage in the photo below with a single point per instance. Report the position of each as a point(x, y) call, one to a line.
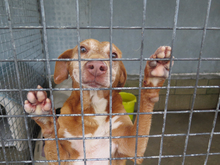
point(25, 62)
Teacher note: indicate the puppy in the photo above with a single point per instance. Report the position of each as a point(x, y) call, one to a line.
point(96, 74)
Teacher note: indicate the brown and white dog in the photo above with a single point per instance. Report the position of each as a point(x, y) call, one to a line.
point(96, 74)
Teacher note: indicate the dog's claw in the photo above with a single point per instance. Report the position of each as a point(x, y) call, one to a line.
point(31, 97)
point(40, 96)
point(47, 105)
point(27, 106)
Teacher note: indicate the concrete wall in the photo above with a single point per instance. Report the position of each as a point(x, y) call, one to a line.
point(160, 13)
point(181, 99)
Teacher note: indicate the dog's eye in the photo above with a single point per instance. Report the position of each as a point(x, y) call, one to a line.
point(83, 49)
point(114, 55)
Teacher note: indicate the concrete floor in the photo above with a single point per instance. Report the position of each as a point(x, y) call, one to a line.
point(178, 124)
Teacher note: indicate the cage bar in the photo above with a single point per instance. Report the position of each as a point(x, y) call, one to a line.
point(29, 31)
point(197, 78)
point(80, 80)
point(49, 73)
point(17, 71)
point(140, 75)
point(169, 79)
point(110, 87)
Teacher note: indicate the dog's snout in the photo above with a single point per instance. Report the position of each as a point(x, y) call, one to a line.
point(96, 68)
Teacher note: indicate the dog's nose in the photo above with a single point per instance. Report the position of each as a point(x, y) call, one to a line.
point(96, 68)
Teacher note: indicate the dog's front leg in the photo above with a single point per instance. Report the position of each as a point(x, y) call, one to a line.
point(37, 103)
point(155, 74)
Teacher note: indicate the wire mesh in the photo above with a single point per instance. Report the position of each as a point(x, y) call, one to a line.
point(18, 44)
point(25, 63)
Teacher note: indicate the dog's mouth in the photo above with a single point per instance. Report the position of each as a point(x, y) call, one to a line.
point(89, 81)
point(93, 84)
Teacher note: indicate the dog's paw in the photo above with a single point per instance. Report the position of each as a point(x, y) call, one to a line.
point(158, 69)
point(37, 103)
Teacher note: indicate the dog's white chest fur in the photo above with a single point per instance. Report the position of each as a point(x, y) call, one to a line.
point(96, 148)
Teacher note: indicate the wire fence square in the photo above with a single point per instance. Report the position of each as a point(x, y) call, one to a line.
point(25, 33)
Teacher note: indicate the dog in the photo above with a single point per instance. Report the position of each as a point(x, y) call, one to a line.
point(96, 74)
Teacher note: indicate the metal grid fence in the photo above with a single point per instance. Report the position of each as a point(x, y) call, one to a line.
point(24, 46)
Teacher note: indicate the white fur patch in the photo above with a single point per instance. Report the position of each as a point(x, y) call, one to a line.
point(95, 148)
point(114, 123)
point(154, 81)
point(99, 104)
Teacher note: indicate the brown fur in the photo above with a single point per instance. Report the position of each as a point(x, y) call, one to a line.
point(126, 146)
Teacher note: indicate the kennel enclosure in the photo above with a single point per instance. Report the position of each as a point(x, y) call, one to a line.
point(33, 33)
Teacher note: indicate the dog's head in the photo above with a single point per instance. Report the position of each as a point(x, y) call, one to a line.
point(95, 74)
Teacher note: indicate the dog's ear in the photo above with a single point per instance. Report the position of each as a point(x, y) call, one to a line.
point(62, 67)
point(122, 75)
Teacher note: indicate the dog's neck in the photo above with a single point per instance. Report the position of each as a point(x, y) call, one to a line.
point(91, 100)
point(98, 102)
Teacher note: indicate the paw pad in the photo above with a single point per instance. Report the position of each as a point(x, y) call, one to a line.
point(37, 102)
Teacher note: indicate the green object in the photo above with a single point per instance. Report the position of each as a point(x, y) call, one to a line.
point(128, 102)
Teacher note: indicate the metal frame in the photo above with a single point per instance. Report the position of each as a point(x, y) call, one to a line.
point(44, 28)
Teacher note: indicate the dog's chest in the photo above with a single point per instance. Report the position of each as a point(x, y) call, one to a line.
point(96, 148)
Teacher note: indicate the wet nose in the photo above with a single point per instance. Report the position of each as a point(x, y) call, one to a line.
point(96, 68)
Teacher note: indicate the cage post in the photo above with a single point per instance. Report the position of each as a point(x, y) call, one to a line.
point(197, 79)
point(140, 76)
point(13, 27)
point(110, 87)
point(169, 80)
point(212, 132)
point(80, 80)
point(4, 152)
point(7, 8)
point(49, 73)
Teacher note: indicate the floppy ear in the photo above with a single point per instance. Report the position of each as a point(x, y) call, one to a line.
point(62, 67)
point(122, 75)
